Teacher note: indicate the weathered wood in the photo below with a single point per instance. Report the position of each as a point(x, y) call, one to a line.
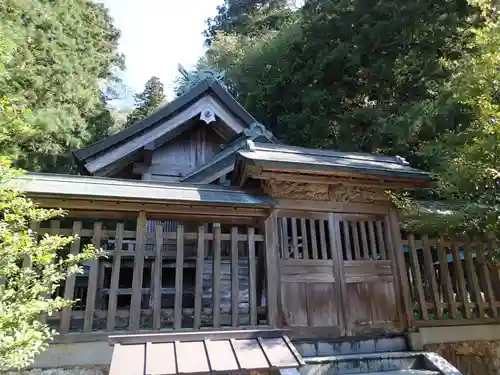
point(115, 278)
point(216, 276)
point(252, 277)
point(460, 279)
point(199, 276)
point(295, 242)
point(473, 280)
point(364, 240)
point(347, 238)
point(272, 275)
point(285, 242)
point(305, 245)
point(486, 279)
point(338, 266)
point(373, 244)
point(355, 238)
point(417, 277)
point(445, 279)
point(314, 242)
point(322, 236)
point(179, 268)
point(69, 288)
point(157, 280)
point(234, 277)
point(402, 289)
point(431, 274)
point(92, 286)
point(135, 302)
point(381, 242)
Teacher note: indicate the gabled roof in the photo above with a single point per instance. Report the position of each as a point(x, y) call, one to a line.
point(204, 87)
point(167, 122)
point(321, 161)
point(223, 162)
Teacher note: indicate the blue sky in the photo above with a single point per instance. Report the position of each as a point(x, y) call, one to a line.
point(156, 35)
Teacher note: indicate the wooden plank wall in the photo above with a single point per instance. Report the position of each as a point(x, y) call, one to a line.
point(224, 260)
point(451, 281)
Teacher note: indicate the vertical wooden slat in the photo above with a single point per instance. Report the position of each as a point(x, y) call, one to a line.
point(446, 280)
point(322, 237)
point(364, 240)
point(272, 275)
point(286, 244)
point(314, 242)
point(393, 239)
point(115, 278)
point(431, 274)
point(216, 276)
point(486, 278)
point(347, 239)
point(305, 245)
point(235, 288)
point(473, 280)
point(200, 263)
point(136, 299)
point(338, 267)
point(373, 244)
point(381, 242)
point(252, 276)
point(54, 230)
point(69, 288)
point(295, 241)
point(460, 279)
point(417, 276)
point(92, 286)
point(179, 268)
point(157, 281)
point(355, 238)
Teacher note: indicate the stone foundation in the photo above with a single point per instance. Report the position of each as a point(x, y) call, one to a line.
point(470, 357)
point(104, 370)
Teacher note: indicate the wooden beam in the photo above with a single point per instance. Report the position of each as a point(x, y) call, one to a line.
point(272, 271)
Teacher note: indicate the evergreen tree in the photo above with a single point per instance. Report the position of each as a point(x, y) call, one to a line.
point(64, 51)
point(147, 101)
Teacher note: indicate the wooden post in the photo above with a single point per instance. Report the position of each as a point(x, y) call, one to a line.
point(136, 299)
point(338, 269)
point(272, 279)
point(392, 223)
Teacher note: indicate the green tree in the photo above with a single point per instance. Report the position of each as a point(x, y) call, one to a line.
point(147, 101)
point(26, 292)
point(64, 51)
point(247, 17)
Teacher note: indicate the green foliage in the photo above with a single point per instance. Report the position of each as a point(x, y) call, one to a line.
point(147, 101)
point(25, 292)
point(64, 51)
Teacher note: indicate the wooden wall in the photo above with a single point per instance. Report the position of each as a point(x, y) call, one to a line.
point(181, 155)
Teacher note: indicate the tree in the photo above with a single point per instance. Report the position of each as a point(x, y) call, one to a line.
point(63, 52)
point(147, 101)
point(26, 292)
point(247, 17)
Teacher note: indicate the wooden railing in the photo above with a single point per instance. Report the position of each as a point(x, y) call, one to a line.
point(182, 275)
point(451, 281)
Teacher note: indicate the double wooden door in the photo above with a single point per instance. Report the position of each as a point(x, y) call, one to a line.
point(337, 273)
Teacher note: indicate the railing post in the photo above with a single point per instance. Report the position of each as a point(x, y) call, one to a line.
point(136, 298)
point(272, 271)
point(395, 236)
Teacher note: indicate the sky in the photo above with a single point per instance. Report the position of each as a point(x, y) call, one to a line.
point(157, 35)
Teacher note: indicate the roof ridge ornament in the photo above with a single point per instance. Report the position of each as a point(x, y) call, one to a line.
point(193, 77)
point(255, 129)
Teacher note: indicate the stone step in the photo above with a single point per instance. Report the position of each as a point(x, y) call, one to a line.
point(403, 372)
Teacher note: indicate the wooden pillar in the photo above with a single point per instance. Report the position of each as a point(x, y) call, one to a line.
point(392, 222)
point(272, 272)
point(136, 298)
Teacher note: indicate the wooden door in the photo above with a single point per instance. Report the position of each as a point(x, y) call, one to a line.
point(337, 273)
point(310, 291)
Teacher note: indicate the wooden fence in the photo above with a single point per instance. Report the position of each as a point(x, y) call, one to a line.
point(182, 275)
point(451, 282)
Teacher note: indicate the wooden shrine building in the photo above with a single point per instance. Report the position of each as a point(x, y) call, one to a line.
point(210, 223)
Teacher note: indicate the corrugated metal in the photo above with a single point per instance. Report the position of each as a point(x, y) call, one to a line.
point(40, 184)
point(207, 352)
